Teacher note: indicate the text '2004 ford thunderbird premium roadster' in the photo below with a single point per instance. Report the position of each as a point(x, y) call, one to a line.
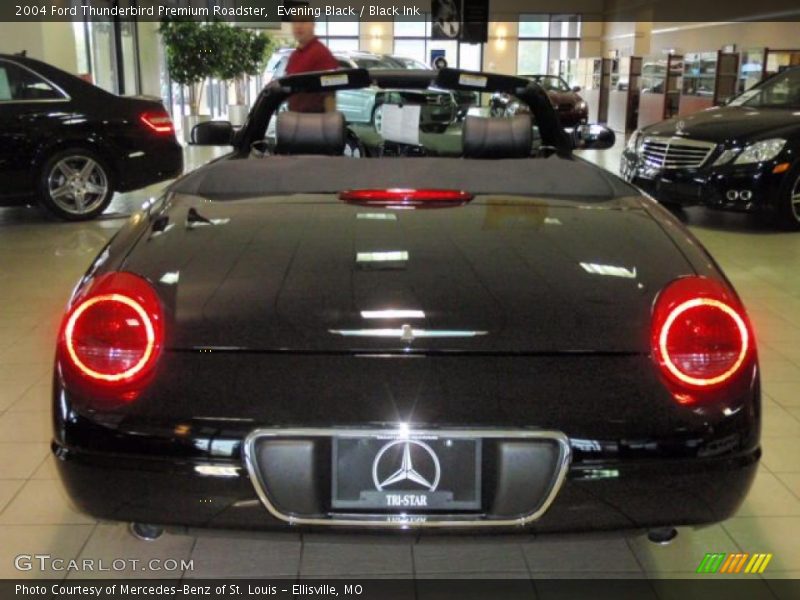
point(511, 339)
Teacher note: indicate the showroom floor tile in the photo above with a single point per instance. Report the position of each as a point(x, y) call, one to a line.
point(49, 257)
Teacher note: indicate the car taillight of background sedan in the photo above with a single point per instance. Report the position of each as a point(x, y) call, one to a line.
point(159, 122)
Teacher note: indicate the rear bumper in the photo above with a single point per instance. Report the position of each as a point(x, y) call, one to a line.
point(601, 495)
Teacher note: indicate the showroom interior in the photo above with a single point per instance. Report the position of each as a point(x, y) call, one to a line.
point(620, 69)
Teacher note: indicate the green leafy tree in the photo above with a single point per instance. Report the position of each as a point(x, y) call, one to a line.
point(242, 52)
point(192, 52)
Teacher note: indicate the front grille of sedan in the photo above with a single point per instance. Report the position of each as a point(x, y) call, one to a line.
point(675, 153)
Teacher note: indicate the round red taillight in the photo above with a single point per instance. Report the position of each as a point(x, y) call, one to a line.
point(113, 333)
point(701, 338)
point(110, 337)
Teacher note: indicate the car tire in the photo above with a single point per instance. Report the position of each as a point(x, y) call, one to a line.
point(75, 185)
point(353, 148)
point(787, 209)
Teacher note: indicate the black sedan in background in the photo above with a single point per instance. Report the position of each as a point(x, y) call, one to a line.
point(498, 341)
point(70, 145)
point(744, 156)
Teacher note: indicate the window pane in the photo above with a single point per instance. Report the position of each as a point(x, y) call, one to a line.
point(80, 46)
point(470, 57)
point(343, 28)
point(565, 26)
point(5, 84)
point(411, 49)
point(17, 83)
point(129, 57)
point(532, 57)
point(104, 61)
point(342, 44)
point(533, 25)
point(450, 48)
point(409, 28)
point(321, 27)
point(563, 49)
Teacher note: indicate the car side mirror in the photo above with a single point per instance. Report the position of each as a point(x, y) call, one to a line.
point(576, 88)
point(212, 133)
point(594, 137)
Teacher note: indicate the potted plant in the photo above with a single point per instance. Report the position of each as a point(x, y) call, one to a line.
point(244, 54)
point(191, 52)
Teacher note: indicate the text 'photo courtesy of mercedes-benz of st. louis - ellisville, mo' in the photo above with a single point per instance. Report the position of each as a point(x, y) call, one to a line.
point(475, 299)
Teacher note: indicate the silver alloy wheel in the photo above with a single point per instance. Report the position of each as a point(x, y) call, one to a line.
point(77, 184)
point(377, 117)
point(794, 197)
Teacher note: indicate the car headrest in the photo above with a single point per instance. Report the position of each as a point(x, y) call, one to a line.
point(310, 133)
point(484, 137)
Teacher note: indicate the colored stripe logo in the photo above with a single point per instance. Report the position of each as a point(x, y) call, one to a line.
point(732, 564)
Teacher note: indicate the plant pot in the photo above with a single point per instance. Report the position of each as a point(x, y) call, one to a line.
point(237, 114)
point(189, 122)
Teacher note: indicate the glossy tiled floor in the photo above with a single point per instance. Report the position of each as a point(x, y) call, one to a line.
point(40, 260)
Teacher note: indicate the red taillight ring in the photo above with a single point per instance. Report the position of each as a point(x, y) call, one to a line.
point(149, 332)
point(664, 335)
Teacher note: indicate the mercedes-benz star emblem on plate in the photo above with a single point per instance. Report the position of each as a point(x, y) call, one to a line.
point(406, 461)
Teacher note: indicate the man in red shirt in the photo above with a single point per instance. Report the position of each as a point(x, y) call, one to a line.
point(310, 55)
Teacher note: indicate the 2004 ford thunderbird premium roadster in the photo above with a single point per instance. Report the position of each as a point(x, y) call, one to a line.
point(503, 340)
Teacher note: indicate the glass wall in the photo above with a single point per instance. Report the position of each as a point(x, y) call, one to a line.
point(339, 36)
point(108, 54)
point(545, 39)
point(412, 39)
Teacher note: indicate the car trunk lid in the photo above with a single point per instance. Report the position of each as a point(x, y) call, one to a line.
point(502, 274)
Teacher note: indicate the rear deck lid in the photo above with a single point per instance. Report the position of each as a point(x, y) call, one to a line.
point(502, 273)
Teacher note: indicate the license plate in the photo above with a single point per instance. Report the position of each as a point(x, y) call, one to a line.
point(395, 474)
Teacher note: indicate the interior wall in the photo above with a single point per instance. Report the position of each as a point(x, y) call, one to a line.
point(696, 37)
point(48, 41)
point(500, 52)
point(377, 36)
point(644, 37)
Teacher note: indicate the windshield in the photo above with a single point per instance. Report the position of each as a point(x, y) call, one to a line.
point(411, 63)
point(368, 62)
point(780, 91)
point(550, 83)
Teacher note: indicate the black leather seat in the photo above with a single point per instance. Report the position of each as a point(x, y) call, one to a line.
point(310, 133)
point(497, 138)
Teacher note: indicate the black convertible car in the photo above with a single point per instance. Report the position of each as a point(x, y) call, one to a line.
point(69, 145)
point(503, 340)
point(744, 156)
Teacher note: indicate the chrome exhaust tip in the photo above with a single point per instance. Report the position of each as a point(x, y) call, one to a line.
point(145, 532)
point(662, 535)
